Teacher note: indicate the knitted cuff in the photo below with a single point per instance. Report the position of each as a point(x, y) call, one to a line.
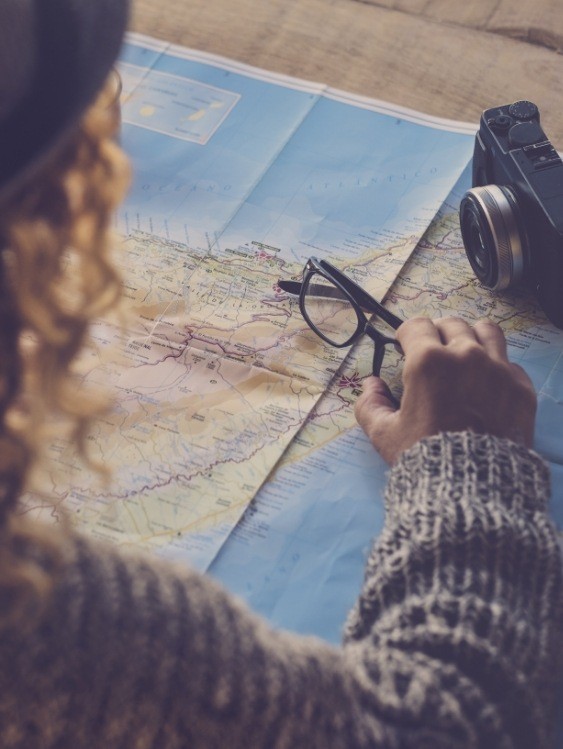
point(454, 465)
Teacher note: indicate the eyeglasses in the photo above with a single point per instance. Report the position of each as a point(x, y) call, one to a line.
point(334, 307)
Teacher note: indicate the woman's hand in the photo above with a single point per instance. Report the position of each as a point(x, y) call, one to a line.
point(455, 377)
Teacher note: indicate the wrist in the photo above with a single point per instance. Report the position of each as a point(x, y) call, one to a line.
point(438, 470)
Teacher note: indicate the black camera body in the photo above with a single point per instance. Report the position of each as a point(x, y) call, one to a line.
point(512, 218)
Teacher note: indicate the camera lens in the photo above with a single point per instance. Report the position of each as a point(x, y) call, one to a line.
point(492, 236)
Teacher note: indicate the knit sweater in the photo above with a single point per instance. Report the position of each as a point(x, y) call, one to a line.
point(453, 643)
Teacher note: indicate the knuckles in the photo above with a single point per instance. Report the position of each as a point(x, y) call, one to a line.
point(485, 324)
point(466, 361)
point(463, 355)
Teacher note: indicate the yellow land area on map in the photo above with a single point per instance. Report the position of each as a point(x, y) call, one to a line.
point(218, 380)
point(214, 373)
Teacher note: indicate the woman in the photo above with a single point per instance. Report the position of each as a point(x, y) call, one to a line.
point(455, 638)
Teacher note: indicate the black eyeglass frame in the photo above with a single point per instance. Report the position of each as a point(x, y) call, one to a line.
point(360, 301)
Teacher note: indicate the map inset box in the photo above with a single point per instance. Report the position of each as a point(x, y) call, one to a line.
point(174, 106)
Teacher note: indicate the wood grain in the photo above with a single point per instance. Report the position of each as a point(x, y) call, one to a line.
point(419, 59)
point(475, 13)
point(538, 22)
point(535, 21)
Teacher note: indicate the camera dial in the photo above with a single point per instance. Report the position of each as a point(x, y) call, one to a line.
point(523, 110)
point(494, 240)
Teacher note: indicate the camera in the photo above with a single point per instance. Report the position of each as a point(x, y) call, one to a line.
point(512, 218)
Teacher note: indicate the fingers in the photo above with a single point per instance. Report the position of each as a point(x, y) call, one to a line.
point(377, 414)
point(376, 396)
point(491, 337)
point(419, 333)
point(453, 330)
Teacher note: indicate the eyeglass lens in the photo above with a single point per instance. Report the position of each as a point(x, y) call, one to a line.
point(328, 310)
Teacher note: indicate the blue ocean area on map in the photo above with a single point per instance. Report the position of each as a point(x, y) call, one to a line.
point(298, 555)
point(332, 171)
point(175, 179)
point(343, 184)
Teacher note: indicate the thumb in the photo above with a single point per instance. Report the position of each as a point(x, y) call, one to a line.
point(374, 407)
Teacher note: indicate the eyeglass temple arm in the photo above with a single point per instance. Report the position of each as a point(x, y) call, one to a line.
point(366, 302)
point(380, 342)
point(378, 355)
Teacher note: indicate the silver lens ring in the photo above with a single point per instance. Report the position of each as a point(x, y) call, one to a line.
point(497, 207)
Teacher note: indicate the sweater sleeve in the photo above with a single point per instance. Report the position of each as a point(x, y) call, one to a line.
point(453, 642)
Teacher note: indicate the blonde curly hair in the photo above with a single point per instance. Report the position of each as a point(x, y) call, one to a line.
point(56, 275)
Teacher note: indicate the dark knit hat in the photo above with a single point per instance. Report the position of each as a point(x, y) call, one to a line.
point(54, 58)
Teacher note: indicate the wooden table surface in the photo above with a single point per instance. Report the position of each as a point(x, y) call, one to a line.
point(451, 58)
